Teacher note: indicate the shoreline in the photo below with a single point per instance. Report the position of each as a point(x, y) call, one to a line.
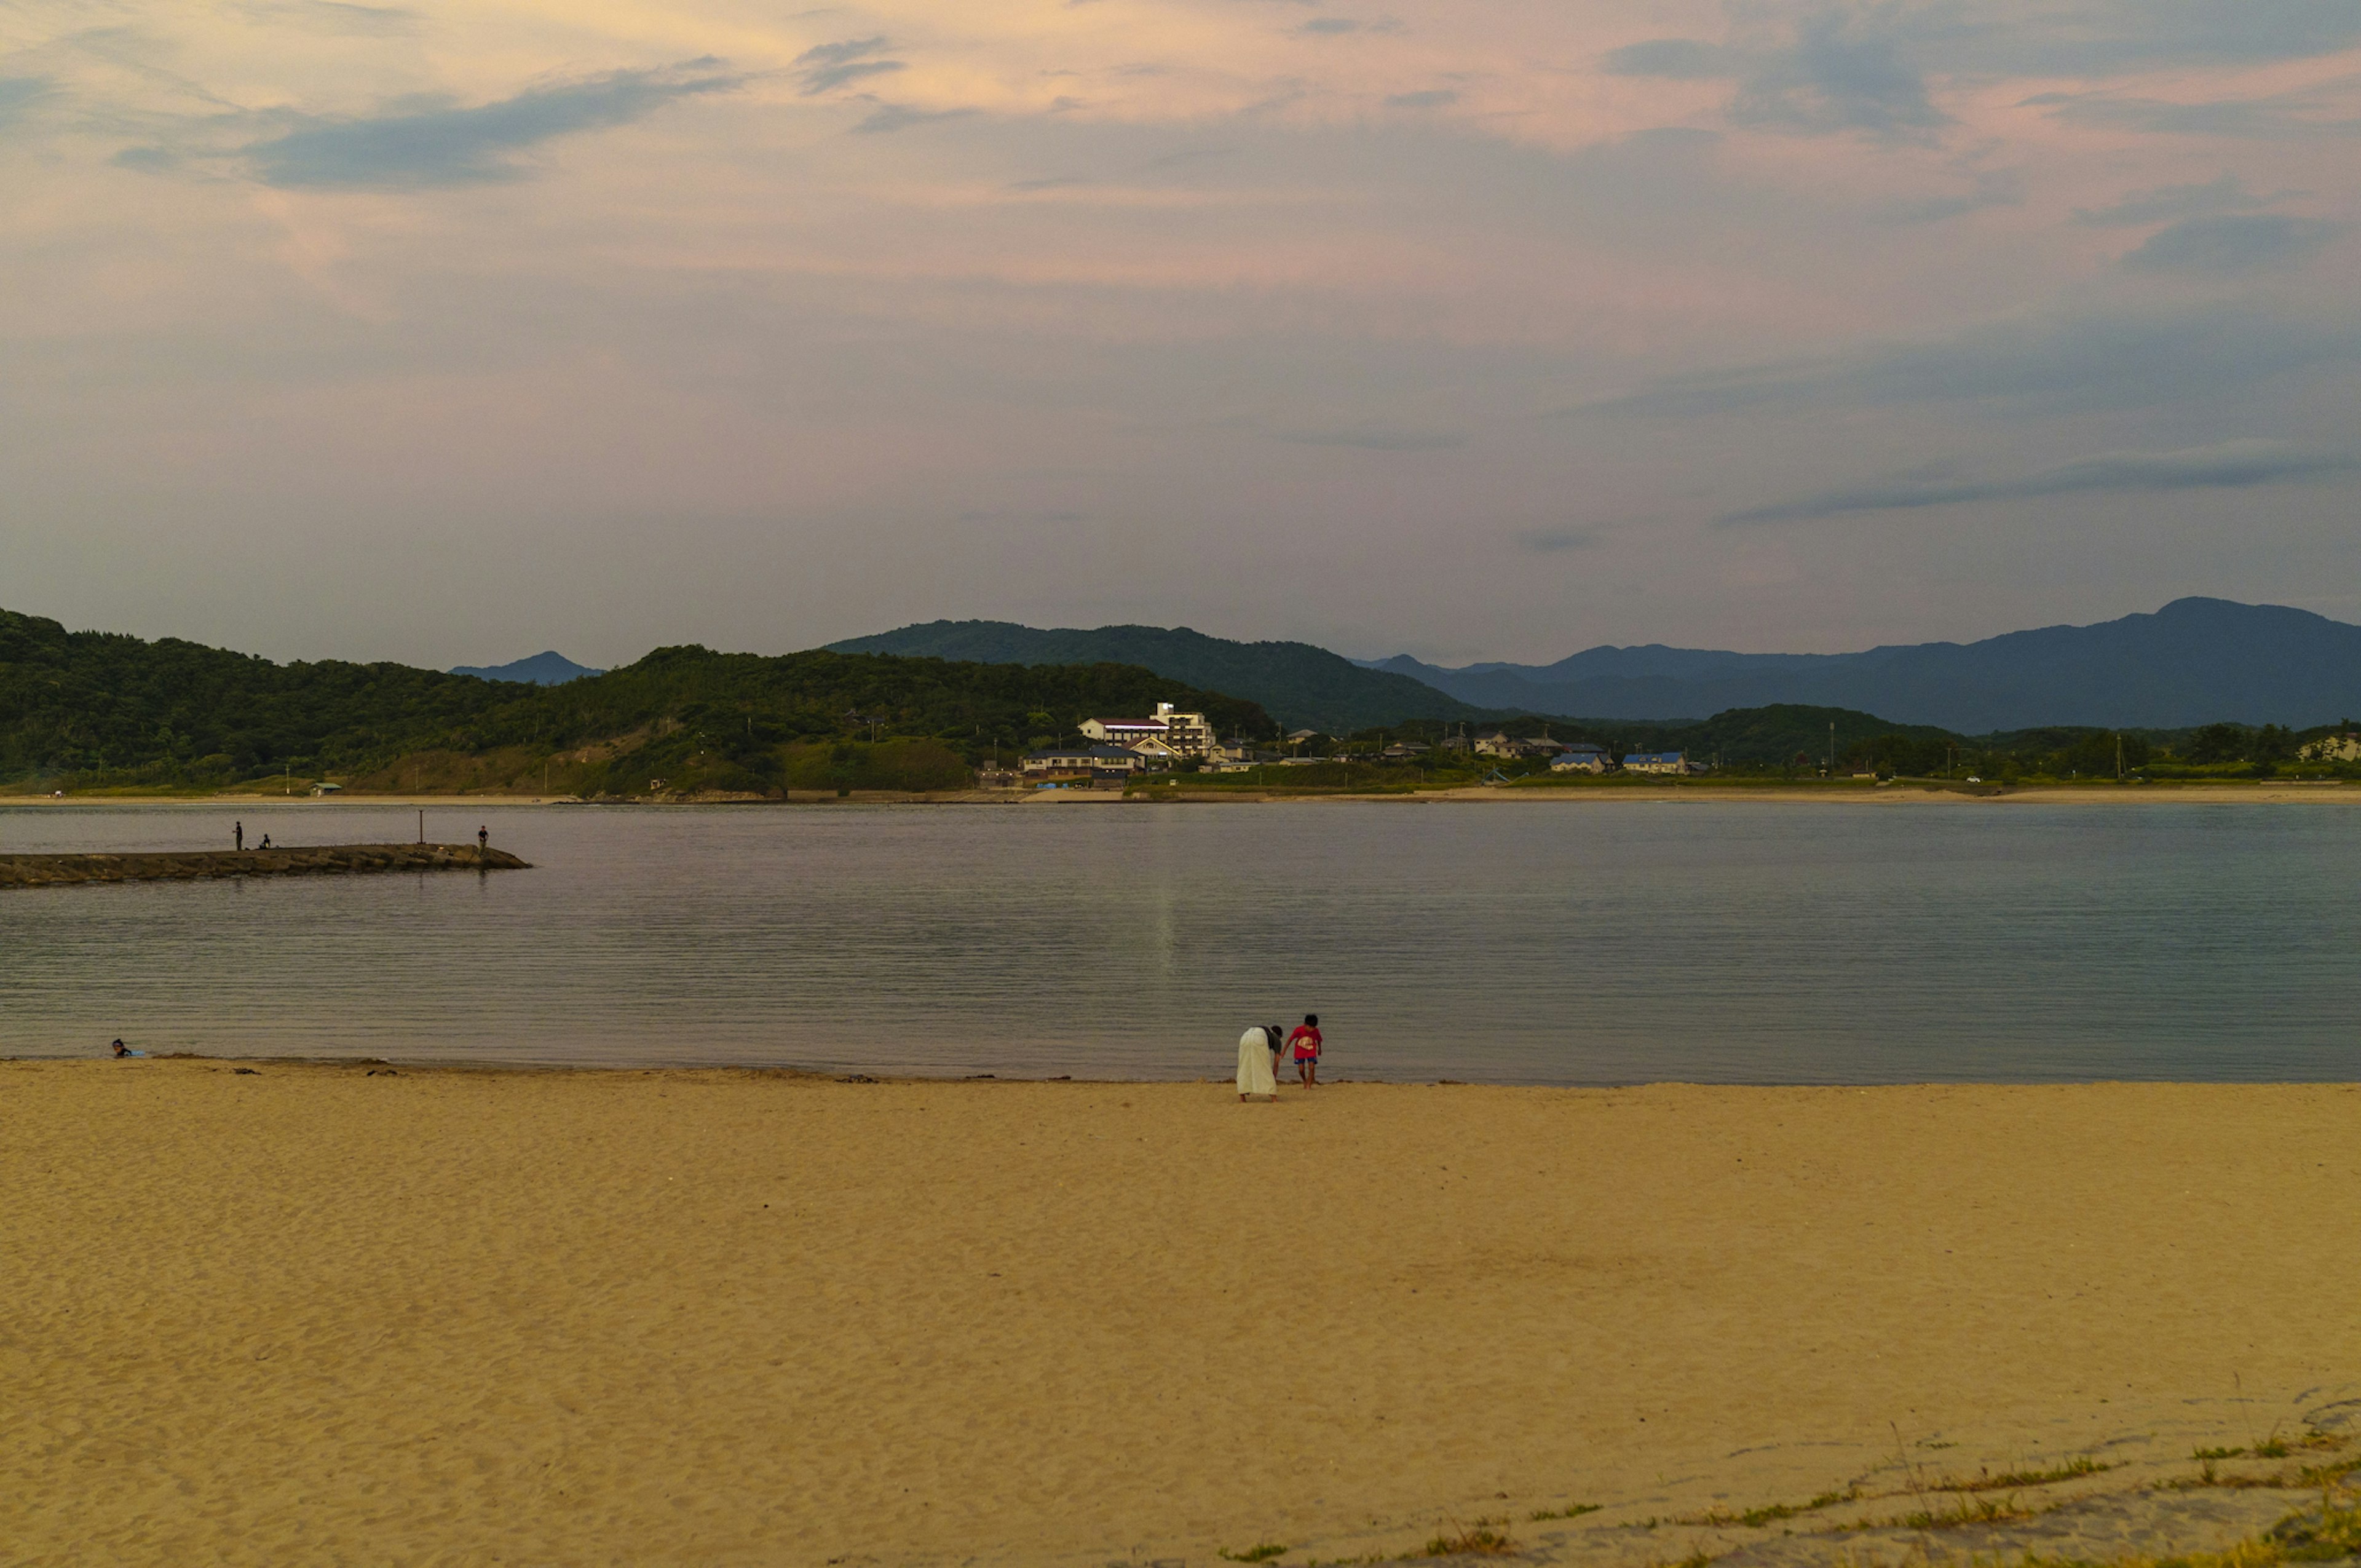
point(2258, 792)
point(1288, 1088)
point(756, 1317)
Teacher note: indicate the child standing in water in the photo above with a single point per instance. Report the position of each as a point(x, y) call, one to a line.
point(1306, 1041)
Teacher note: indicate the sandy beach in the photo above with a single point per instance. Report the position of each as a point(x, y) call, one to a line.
point(272, 1313)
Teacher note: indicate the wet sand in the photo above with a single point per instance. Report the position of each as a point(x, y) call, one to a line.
point(306, 1313)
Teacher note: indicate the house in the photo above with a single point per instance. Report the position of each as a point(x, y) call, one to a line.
point(1660, 763)
point(1079, 761)
point(1154, 751)
point(325, 787)
point(1298, 736)
point(1580, 759)
point(1401, 749)
point(1237, 751)
point(1500, 743)
point(2334, 748)
point(1455, 744)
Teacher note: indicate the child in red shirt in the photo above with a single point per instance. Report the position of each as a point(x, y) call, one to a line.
point(1306, 1041)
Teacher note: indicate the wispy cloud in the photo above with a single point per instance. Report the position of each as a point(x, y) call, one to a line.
point(825, 67)
point(2229, 464)
point(2276, 118)
point(2113, 37)
point(2163, 203)
point(446, 145)
point(333, 16)
point(1844, 71)
point(1374, 438)
point(1840, 71)
point(1432, 98)
point(2231, 243)
point(1676, 60)
point(1993, 188)
point(2048, 364)
point(19, 93)
point(1555, 541)
point(886, 118)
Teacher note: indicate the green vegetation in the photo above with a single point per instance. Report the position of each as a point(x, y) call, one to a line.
point(1262, 1554)
point(2330, 1533)
point(1755, 1518)
point(92, 709)
point(1478, 1540)
point(2081, 1465)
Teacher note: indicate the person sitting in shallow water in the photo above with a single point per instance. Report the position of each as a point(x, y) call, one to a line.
point(122, 1050)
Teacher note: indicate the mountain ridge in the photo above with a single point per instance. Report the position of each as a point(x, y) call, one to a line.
point(547, 668)
point(2195, 661)
point(1296, 683)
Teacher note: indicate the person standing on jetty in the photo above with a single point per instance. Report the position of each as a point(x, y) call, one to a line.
point(483, 839)
point(1306, 1041)
point(1258, 1056)
point(241, 837)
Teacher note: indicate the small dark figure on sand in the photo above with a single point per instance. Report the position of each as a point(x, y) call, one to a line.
point(241, 837)
point(483, 838)
point(1306, 1041)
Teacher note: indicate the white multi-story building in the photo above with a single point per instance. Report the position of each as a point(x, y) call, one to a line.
point(1187, 734)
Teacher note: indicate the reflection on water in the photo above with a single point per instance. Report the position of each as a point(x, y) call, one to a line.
point(1528, 942)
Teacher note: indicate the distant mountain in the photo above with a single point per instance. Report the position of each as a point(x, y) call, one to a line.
point(1296, 683)
point(551, 669)
point(2193, 662)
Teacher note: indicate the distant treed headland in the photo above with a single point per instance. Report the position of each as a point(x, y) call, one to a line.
point(85, 708)
point(922, 708)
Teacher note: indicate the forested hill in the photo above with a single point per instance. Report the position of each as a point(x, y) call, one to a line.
point(1297, 683)
point(88, 708)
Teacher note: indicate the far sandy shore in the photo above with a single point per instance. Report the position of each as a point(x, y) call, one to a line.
point(2333, 793)
point(309, 1314)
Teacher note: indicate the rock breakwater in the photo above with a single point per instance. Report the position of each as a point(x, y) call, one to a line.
point(54, 870)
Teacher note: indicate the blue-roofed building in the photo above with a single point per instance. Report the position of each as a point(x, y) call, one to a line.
point(1660, 763)
point(1580, 758)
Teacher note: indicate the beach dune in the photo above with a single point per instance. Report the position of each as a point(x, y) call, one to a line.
point(326, 1312)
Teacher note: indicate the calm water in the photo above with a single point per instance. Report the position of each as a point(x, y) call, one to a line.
point(1516, 943)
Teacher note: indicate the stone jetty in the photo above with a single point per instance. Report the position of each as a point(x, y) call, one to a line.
point(54, 870)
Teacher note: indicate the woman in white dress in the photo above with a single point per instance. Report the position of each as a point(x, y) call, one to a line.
point(1255, 1053)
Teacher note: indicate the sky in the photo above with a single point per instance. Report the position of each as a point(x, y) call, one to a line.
point(1475, 329)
